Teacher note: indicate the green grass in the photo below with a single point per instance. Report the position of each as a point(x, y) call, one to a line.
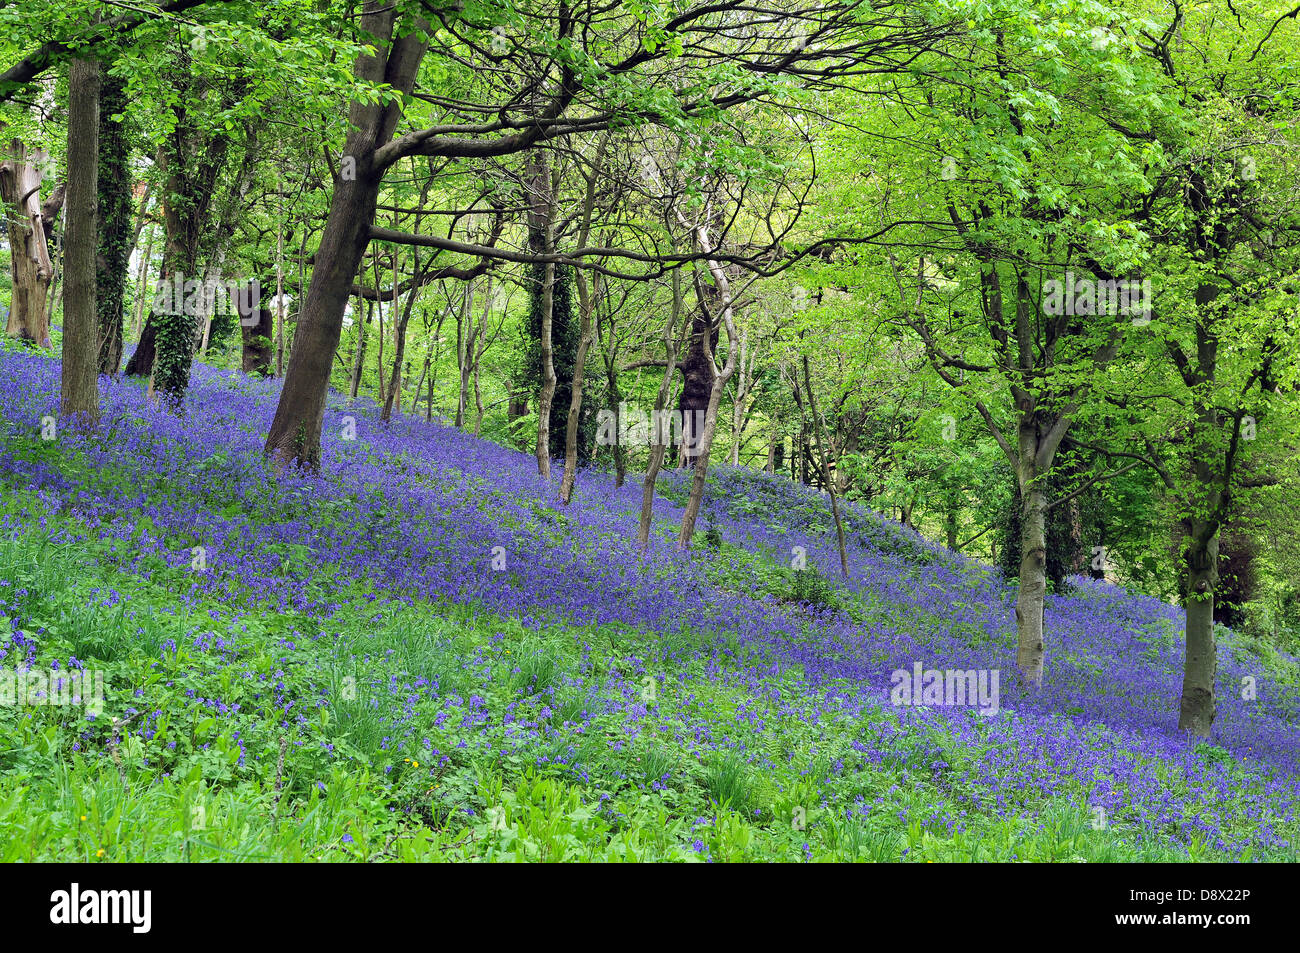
point(356, 773)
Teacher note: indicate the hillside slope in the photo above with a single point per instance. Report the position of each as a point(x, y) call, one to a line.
point(419, 653)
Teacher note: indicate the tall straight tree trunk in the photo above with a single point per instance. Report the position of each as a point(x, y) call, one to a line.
point(433, 384)
point(541, 241)
point(279, 299)
point(826, 467)
point(223, 232)
point(464, 350)
point(612, 391)
point(80, 381)
point(380, 392)
point(142, 285)
point(478, 356)
point(1032, 594)
point(950, 522)
point(703, 446)
point(114, 223)
point(738, 404)
point(359, 361)
point(659, 447)
point(547, 394)
point(173, 324)
point(1197, 707)
point(1211, 470)
point(191, 162)
point(419, 385)
point(399, 345)
point(33, 269)
point(433, 365)
point(586, 302)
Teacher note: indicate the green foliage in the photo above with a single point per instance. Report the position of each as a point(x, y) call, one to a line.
point(808, 585)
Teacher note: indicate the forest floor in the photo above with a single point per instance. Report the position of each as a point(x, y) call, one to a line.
point(420, 654)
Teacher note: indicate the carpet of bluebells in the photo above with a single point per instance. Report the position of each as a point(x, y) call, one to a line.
point(420, 653)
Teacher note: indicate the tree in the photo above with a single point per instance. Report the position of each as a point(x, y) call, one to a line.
point(20, 191)
point(80, 390)
point(114, 222)
point(579, 78)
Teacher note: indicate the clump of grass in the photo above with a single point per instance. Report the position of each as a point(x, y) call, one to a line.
point(539, 667)
point(728, 783)
point(809, 586)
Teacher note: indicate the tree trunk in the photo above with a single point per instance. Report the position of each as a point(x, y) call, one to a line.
point(659, 447)
point(433, 383)
point(419, 385)
point(478, 357)
point(80, 380)
point(697, 384)
point(221, 234)
point(1032, 593)
point(541, 240)
point(826, 467)
point(33, 269)
point(950, 523)
point(585, 303)
point(359, 360)
point(146, 350)
point(702, 443)
point(255, 328)
point(394, 398)
point(295, 431)
point(1197, 708)
point(548, 374)
point(612, 391)
point(380, 391)
point(142, 286)
point(256, 342)
point(279, 298)
point(738, 404)
point(191, 162)
point(433, 365)
point(174, 323)
point(464, 350)
point(516, 403)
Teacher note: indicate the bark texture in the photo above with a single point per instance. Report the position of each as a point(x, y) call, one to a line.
point(33, 270)
point(80, 380)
